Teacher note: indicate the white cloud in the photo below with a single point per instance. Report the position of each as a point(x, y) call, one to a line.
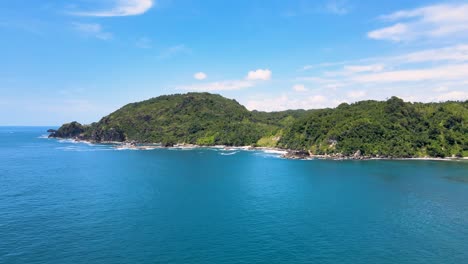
point(300, 88)
point(452, 96)
point(121, 8)
point(431, 22)
point(440, 89)
point(427, 75)
point(356, 94)
point(217, 86)
point(200, 76)
point(284, 102)
point(92, 29)
point(259, 74)
point(227, 85)
point(457, 53)
point(325, 83)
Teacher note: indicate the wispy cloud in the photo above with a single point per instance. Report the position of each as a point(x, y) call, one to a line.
point(260, 74)
point(364, 68)
point(120, 8)
point(356, 94)
point(173, 51)
point(434, 21)
point(299, 88)
point(27, 25)
point(338, 7)
point(448, 72)
point(144, 43)
point(396, 32)
point(93, 30)
point(305, 8)
point(450, 54)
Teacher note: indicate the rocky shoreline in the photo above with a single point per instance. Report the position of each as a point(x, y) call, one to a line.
point(283, 153)
point(301, 154)
point(305, 155)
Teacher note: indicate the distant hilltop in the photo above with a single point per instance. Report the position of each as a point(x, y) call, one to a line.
point(388, 129)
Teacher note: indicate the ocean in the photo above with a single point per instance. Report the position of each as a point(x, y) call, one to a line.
point(67, 202)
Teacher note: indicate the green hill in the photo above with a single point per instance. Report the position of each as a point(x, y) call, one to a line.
point(392, 128)
point(196, 118)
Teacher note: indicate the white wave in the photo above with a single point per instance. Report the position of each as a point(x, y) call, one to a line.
point(229, 154)
point(125, 148)
point(229, 149)
point(269, 153)
point(218, 147)
point(69, 148)
point(45, 136)
point(74, 141)
point(148, 148)
point(82, 149)
point(66, 140)
point(274, 151)
point(183, 148)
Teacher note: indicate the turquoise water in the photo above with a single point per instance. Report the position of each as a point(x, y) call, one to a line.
point(63, 202)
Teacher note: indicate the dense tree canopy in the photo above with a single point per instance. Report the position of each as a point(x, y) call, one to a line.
point(392, 128)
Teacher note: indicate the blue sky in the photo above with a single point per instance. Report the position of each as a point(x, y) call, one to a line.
point(82, 59)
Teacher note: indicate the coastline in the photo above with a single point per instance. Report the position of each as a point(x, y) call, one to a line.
point(283, 153)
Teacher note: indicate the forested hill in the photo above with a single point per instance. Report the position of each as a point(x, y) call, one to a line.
point(196, 118)
point(391, 128)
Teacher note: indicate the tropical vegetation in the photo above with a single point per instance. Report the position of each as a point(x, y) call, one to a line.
point(391, 128)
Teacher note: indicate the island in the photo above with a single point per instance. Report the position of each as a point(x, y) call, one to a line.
point(361, 130)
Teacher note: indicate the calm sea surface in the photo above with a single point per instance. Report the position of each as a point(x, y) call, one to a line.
point(63, 202)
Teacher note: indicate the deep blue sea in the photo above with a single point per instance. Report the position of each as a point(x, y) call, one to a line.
point(65, 202)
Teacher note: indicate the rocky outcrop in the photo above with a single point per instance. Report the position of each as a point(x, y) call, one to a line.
point(111, 134)
point(357, 154)
point(296, 154)
point(301, 154)
point(92, 133)
point(167, 144)
point(70, 130)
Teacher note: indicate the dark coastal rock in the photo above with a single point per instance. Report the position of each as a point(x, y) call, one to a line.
point(167, 144)
point(357, 154)
point(70, 130)
point(296, 154)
